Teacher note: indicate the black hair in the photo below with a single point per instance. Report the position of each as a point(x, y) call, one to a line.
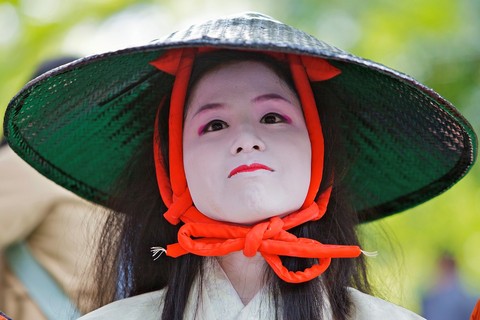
point(136, 224)
point(3, 142)
point(50, 64)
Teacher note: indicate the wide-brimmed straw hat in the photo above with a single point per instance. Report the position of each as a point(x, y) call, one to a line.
point(80, 124)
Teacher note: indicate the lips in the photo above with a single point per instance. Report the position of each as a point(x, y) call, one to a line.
point(249, 168)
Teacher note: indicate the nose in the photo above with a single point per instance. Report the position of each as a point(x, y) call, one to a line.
point(247, 141)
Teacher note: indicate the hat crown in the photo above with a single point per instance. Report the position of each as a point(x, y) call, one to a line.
point(253, 30)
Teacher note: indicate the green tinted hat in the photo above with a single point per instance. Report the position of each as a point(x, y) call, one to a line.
point(80, 124)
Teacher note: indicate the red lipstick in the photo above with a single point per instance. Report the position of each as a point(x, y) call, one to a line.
point(249, 168)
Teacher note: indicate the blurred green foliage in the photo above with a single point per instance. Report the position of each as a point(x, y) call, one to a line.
point(435, 41)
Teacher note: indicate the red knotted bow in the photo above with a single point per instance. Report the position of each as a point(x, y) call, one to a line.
point(203, 236)
point(269, 238)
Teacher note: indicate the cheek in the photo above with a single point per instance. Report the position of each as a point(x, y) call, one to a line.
point(192, 157)
point(302, 161)
point(306, 151)
point(298, 144)
point(297, 155)
point(189, 154)
point(204, 176)
point(299, 169)
point(201, 163)
point(192, 164)
point(190, 145)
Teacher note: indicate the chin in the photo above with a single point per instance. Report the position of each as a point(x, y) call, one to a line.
point(253, 214)
point(250, 204)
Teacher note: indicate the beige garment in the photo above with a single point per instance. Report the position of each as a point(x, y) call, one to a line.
point(59, 228)
point(219, 300)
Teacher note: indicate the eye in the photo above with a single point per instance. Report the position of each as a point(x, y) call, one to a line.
point(214, 125)
point(273, 117)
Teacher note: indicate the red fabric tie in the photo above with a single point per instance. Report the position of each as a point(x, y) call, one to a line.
point(269, 238)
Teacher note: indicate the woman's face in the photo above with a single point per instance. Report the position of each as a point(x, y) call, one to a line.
point(247, 154)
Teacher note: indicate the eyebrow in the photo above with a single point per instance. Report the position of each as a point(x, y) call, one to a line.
point(270, 96)
point(208, 106)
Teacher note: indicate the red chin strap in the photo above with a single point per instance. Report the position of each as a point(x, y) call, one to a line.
point(203, 236)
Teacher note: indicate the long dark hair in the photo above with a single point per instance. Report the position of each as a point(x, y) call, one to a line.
point(124, 263)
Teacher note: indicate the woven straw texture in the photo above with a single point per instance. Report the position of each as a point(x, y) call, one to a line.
point(80, 124)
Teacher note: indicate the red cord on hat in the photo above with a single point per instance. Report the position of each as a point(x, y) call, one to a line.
point(203, 236)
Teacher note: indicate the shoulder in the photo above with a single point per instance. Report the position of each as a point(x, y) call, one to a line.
point(147, 306)
point(369, 307)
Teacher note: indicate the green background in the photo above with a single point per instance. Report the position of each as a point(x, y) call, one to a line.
point(435, 41)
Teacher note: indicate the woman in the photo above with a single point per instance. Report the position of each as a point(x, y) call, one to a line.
point(263, 149)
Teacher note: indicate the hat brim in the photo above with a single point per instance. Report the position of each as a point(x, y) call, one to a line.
point(80, 124)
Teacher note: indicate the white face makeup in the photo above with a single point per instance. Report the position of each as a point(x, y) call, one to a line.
point(246, 150)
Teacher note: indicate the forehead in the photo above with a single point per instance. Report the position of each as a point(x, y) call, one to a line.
point(240, 68)
point(240, 75)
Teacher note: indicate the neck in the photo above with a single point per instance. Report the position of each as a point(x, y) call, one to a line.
point(245, 274)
